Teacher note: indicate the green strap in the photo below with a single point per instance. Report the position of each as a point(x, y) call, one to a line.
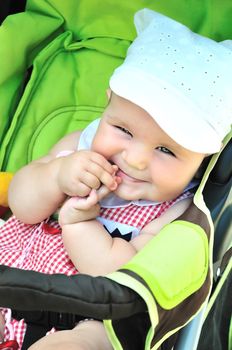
point(174, 264)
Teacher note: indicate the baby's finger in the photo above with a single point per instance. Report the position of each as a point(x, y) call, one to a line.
point(89, 179)
point(92, 199)
point(115, 167)
point(102, 162)
point(85, 203)
point(109, 181)
point(100, 174)
point(102, 192)
point(76, 188)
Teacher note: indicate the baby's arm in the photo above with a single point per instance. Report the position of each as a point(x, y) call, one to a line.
point(33, 192)
point(95, 252)
point(38, 189)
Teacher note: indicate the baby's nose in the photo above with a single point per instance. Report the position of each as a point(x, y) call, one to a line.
point(136, 158)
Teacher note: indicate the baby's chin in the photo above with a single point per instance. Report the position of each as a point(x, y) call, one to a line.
point(128, 196)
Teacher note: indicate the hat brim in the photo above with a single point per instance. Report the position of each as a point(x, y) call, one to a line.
point(182, 120)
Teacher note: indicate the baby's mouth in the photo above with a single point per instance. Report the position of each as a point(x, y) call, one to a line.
point(125, 176)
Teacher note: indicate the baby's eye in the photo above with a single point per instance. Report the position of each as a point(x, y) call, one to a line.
point(124, 130)
point(165, 150)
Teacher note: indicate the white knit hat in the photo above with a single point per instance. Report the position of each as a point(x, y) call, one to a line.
point(182, 79)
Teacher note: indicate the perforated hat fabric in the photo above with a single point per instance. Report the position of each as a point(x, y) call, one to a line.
point(182, 79)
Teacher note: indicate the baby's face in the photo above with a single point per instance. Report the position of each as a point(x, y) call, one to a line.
point(151, 165)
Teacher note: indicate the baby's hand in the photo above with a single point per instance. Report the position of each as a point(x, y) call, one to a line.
point(77, 209)
point(82, 171)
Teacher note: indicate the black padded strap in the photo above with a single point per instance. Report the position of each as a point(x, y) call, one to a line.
point(95, 297)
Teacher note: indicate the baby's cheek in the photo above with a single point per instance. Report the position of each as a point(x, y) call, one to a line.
point(96, 144)
point(102, 147)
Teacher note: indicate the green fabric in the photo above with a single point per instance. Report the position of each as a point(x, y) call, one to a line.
point(60, 76)
point(73, 46)
point(17, 53)
point(174, 264)
point(87, 19)
point(111, 335)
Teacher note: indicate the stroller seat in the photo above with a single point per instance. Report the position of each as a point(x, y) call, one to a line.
point(97, 37)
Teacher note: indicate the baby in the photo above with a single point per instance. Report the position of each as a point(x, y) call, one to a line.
point(131, 172)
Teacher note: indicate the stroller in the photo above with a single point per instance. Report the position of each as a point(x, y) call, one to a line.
point(132, 304)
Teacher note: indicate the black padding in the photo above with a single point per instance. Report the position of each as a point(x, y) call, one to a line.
point(219, 184)
point(222, 172)
point(223, 233)
point(215, 333)
point(96, 297)
point(33, 333)
point(8, 7)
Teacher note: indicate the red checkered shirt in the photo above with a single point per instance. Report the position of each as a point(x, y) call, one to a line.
point(40, 248)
